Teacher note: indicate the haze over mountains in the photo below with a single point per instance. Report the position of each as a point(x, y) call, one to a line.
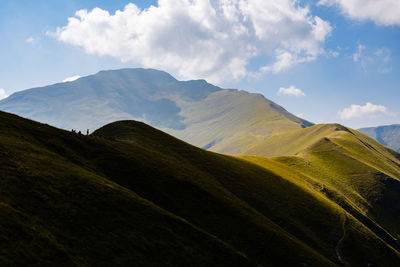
point(227, 121)
point(388, 135)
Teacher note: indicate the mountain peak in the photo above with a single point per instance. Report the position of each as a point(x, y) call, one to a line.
point(140, 73)
point(196, 111)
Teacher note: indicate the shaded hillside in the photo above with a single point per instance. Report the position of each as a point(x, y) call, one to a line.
point(348, 167)
point(59, 211)
point(195, 111)
point(388, 135)
point(130, 193)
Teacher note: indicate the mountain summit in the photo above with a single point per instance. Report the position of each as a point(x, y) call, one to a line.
point(222, 120)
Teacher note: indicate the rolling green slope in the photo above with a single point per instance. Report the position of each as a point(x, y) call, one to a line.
point(58, 212)
point(197, 112)
point(231, 121)
point(304, 212)
point(69, 199)
point(132, 194)
point(348, 167)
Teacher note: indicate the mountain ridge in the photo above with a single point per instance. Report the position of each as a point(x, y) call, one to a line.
point(388, 135)
point(233, 119)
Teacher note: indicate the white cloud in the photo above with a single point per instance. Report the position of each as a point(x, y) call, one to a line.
point(384, 53)
point(291, 91)
point(382, 58)
point(71, 79)
point(300, 115)
point(369, 110)
point(202, 39)
point(357, 55)
point(332, 53)
point(378, 60)
point(30, 40)
point(381, 12)
point(3, 93)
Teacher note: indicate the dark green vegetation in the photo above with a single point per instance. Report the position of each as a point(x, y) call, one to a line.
point(388, 135)
point(131, 194)
point(202, 114)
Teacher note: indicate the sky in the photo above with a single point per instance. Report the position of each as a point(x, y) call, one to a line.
point(325, 60)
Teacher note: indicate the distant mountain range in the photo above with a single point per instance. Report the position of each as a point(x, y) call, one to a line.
point(388, 135)
point(221, 120)
point(130, 194)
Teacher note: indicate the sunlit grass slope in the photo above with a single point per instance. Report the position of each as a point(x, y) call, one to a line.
point(68, 199)
point(232, 121)
point(346, 166)
point(132, 195)
point(307, 214)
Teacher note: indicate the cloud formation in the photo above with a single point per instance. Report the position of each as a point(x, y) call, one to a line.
point(3, 94)
point(369, 110)
point(202, 39)
point(30, 40)
point(291, 91)
point(378, 60)
point(71, 79)
point(358, 54)
point(381, 12)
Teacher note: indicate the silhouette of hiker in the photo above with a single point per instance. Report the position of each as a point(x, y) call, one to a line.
point(87, 132)
point(79, 132)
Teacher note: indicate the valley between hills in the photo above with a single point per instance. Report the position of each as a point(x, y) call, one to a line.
point(281, 191)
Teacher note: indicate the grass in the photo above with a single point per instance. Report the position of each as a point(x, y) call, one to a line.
point(132, 194)
point(349, 168)
point(231, 121)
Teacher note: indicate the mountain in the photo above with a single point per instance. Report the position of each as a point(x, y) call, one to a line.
point(131, 194)
point(202, 114)
point(388, 135)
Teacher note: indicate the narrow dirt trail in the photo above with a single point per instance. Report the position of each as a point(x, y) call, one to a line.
point(339, 243)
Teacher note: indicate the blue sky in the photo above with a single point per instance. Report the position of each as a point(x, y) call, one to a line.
point(332, 62)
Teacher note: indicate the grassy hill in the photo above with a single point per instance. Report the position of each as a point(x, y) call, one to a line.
point(231, 121)
point(132, 194)
point(388, 135)
point(348, 167)
point(195, 111)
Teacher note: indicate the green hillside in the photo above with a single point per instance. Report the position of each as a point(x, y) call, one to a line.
point(132, 194)
point(231, 121)
point(388, 135)
point(221, 120)
point(69, 199)
point(348, 167)
point(57, 211)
